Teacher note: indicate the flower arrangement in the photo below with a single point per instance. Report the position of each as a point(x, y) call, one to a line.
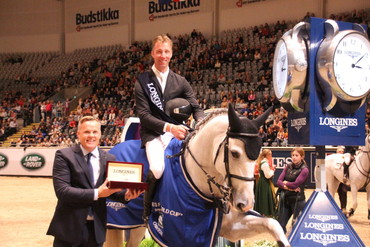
point(261, 243)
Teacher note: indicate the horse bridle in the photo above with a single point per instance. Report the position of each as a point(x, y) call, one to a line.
point(222, 203)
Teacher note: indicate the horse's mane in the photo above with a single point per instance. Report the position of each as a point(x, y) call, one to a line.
point(214, 113)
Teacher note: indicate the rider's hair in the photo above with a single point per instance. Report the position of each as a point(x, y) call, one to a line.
point(163, 39)
point(340, 149)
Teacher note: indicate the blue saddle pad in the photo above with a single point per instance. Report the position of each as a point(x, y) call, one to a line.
point(130, 215)
point(180, 217)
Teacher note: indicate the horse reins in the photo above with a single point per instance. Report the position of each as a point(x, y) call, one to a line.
point(225, 191)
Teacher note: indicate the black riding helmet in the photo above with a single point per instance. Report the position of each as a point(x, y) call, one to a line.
point(179, 109)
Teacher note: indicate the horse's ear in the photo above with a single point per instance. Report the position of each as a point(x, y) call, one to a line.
point(262, 118)
point(234, 121)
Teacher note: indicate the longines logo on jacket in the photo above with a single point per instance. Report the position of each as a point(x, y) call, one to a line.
point(338, 123)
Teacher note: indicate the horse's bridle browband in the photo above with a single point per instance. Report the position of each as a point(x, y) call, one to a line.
point(225, 191)
point(230, 134)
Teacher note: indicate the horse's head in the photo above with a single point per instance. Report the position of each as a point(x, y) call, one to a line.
point(243, 146)
point(220, 156)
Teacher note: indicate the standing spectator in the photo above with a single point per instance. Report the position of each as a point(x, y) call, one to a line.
point(265, 202)
point(79, 178)
point(42, 106)
point(59, 109)
point(49, 108)
point(291, 183)
point(67, 107)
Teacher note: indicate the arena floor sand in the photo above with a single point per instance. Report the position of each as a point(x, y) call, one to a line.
point(27, 205)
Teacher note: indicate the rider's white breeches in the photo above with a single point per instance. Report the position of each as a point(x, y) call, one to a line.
point(155, 153)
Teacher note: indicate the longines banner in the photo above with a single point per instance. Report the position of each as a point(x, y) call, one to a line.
point(95, 14)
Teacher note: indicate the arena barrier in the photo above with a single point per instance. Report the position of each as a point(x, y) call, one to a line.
point(39, 161)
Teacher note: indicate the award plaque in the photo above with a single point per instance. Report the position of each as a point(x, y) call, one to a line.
point(125, 175)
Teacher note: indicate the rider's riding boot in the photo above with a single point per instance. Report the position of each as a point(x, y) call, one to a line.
point(148, 195)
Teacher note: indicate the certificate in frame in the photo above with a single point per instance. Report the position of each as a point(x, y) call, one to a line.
point(125, 175)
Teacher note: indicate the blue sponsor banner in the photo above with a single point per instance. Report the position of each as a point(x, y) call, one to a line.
point(323, 224)
point(298, 128)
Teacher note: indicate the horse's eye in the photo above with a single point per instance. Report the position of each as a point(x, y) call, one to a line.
point(235, 154)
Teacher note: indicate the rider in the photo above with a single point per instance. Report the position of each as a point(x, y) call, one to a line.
point(153, 90)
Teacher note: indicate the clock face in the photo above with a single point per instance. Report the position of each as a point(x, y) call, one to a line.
point(351, 64)
point(280, 69)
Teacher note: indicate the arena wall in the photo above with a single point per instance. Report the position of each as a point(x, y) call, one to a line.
point(51, 25)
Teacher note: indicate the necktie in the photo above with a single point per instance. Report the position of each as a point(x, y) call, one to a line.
point(91, 177)
point(89, 166)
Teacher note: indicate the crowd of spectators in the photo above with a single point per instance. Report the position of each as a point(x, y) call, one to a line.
point(233, 69)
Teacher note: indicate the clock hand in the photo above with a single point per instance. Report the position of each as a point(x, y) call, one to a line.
point(283, 61)
point(356, 66)
point(360, 58)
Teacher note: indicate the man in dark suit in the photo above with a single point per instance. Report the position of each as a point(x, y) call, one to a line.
point(153, 90)
point(81, 188)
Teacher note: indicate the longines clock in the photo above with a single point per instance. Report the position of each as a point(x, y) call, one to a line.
point(290, 67)
point(343, 67)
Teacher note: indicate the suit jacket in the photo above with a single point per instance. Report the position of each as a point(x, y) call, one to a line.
point(75, 195)
point(176, 87)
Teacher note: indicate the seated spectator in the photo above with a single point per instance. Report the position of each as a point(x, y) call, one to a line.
point(251, 96)
point(13, 126)
point(271, 135)
point(225, 102)
point(221, 79)
point(280, 137)
point(277, 124)
point(204, 104)
point(262, 134)
point(217, 64)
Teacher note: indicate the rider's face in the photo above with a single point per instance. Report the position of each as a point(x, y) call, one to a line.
point(162, 53)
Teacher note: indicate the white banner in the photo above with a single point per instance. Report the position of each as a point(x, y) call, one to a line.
point(27, 162)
